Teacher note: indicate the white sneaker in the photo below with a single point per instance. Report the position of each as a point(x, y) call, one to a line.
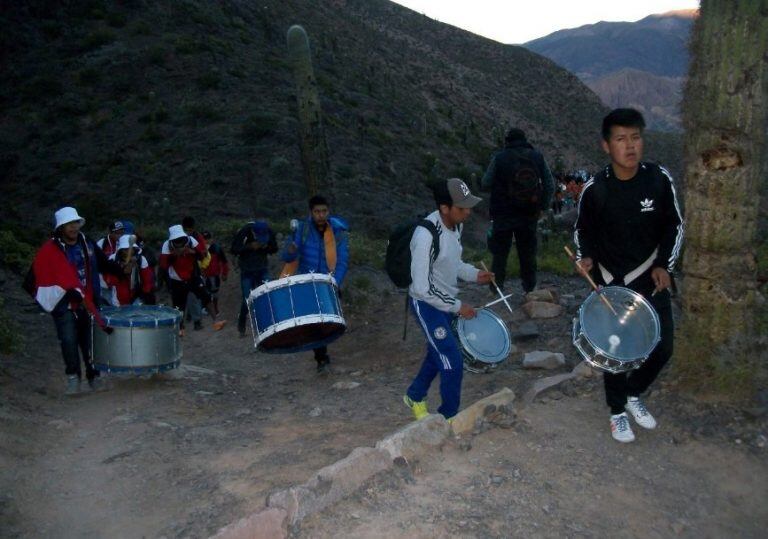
point(640, 413)
point(620, 429)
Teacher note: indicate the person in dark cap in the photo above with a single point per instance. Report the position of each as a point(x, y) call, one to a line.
point(521, 187)
point(433, 292)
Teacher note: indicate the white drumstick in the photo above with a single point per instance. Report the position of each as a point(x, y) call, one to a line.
point(494, 302)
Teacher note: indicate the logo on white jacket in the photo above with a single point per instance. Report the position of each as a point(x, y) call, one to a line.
point(440, 333)
point(647, 205)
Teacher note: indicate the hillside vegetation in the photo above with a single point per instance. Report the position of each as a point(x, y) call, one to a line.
point(151, 110)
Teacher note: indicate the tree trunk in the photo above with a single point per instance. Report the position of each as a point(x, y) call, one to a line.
point(724, 114)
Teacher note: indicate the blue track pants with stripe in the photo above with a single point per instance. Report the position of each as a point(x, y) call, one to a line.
point(443, 356)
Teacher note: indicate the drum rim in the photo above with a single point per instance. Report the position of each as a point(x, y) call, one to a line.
point(108, 314)
point(299, 321)
point(498, 358)
point(644, 302)
point(301, 278)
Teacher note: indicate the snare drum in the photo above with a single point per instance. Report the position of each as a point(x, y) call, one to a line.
point(484, 340)
point(616, 343)
point(145, 339)
point(296, 313)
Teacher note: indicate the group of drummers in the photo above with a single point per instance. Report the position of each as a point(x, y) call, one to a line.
point(628, 233)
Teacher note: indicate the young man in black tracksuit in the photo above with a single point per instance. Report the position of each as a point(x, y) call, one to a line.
point(629, 232)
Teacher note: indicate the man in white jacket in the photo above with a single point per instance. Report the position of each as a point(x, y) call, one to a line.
point(433, 292)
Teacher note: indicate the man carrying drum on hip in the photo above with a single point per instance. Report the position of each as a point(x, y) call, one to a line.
point(64, 280)
point(629, 232)
point(319, 245)
point(433, 291)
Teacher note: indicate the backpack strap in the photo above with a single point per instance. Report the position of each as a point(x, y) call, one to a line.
point(429, 225)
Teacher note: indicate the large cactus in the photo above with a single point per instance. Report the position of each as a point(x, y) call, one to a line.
point(314, 148)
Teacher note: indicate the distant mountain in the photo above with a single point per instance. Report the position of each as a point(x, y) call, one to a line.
point(151, 110)
point(641, 64)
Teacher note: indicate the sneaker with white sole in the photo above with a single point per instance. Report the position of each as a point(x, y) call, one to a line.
point(620, 429)
point(640, 413)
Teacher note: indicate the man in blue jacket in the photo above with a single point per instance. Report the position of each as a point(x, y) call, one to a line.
point(307, 250)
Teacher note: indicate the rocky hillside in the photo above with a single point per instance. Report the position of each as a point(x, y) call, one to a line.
point(641, 64)
point(151, 110)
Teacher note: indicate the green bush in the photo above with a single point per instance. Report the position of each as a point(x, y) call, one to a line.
point(15, 255)
point(97, 38)
point(140, 28)
point(366, 251)
point(41, 87)
point(88, 76)
point(197, 112)
point(258, 126)
point(10, 333)
point(209, 81)
point(188, 45)
point(116, 20)
point(156, 55)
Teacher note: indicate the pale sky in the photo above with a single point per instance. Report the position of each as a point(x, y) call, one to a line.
point(515, 22)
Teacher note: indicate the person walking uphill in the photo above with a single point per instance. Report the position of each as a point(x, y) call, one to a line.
point(179, 257)
point(433, 292)
point(521, 187)
point(319, 244)
point(64, 280)
point(629, 232)
point(253, 243)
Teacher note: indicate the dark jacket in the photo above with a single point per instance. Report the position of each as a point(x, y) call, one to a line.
point(501, 169)
point(251, 260)
point(629, 227)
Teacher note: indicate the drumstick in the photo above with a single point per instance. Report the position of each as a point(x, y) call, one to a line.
point(501, 294)
point(586, 275)
point(494, 302)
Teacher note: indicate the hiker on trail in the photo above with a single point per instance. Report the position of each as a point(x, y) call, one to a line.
point(64, 280)
point(433, 292)
point(521, 187)
point(629, 233)
point(108, 245)
point(217, 270)
point(179, 257)
point(253, 243)
point(194, 312)
point(137, 279)
point(319, 244)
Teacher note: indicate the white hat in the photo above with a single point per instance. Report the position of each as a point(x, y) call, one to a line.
point(66, 215)
point(175, 232)
point(126, 241)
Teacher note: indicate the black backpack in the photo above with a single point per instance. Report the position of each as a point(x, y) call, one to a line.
point(524, 185)
point(398, 258)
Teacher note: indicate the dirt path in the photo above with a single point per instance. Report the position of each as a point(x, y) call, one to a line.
point(184, 453)
point(557, 474)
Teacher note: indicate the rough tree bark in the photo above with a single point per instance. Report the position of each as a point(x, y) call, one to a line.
point(724, 115)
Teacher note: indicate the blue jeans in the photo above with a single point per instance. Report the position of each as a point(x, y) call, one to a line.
point(443, 356)
point(249, 280)
point(74, 331)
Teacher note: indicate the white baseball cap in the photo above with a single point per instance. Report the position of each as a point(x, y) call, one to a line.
point(175, 232)
point(66, 215)
point(125, 241)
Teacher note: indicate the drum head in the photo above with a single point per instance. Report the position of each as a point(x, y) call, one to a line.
point(631, 335)
point(148, 316)
point(484, 337)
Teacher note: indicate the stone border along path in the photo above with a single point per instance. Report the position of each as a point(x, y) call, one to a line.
point(286, 508)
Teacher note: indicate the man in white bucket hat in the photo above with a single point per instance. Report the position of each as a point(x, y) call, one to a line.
point(65, 282)
point(179, 258)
